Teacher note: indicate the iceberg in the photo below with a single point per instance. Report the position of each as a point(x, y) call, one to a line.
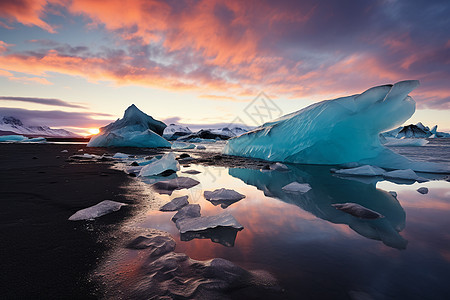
point(337, 131)
point(21, 139)
point(178, 183)
point(135, 129)
point(98, 210)
point(167, 162)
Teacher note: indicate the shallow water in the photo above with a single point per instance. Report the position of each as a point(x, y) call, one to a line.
point(316, 251)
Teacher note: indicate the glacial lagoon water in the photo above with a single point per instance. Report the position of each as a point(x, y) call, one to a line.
point(316, 251)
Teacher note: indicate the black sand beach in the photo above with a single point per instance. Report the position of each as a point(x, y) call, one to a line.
point(45, 256)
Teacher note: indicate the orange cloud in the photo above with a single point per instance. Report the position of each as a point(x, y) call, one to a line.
point(27, 12)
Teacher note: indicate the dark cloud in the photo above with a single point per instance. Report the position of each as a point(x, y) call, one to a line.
point(45, 101)
point(56, 118)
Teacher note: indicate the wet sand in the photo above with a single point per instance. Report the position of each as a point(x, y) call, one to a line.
point(45, 256)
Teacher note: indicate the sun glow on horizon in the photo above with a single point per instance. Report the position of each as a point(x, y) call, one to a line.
point(93, 131)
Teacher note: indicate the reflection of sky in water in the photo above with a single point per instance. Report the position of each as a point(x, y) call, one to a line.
point(318, 251)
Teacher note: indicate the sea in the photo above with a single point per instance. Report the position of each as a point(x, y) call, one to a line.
point(316, 251)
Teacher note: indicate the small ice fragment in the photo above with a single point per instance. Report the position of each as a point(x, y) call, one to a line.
point(203, 223)
point(175, 204)
point(224, 197)
point(394, 194)
point(201, 147)
point(120, 155)
point(178, 183)
point(295, 187)
point(64, 151)
point(407, 174)
point(188, 211)
point(358, 211)
point(279, 167)
point(181, 145)
point(167, 162)
point(365, 170)
point(423, 190)
point(98, 210)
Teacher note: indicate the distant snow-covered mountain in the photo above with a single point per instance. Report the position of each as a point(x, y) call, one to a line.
point(174, 131)
point(9, 125)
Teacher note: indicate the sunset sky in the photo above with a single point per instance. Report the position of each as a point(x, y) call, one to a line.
point(78, 64)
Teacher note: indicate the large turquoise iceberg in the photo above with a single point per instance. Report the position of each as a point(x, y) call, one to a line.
point(338, 131)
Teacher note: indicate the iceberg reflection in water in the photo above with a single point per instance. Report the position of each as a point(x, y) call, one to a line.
point(327, 190)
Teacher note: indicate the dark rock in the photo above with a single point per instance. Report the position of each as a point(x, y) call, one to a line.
point(34, 157)
point(132, 174)
point(134, 164)
point(184, 155)
point(192, 172)
point(423, 190)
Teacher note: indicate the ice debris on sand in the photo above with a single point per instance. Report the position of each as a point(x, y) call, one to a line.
point(98, 210)
point(203, 223)
point(296, 187)
point(135, 129)
point(224, 197)
point(175, 204)
point(167, 162)
point(324, 133)
point(178, 183)
point(358, 211)
point(120, 155)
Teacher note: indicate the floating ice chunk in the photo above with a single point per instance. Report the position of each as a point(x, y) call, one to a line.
point(407, 174)
point(188, 211)
point(224, 197)
point(178, 183)
point(120, 155)
point(295, 187)
point(201, 147)
point(358, 211)
point(35, 140)
point(181, 145)
point(98, 210)
point(324, 133)
point(167, 162)
point(85, 156)
point(365, 170)
point(13, 138)
point(203, 223)
point(423, 190)
point(175, 204)
point(64, 151)
point(393, 142)
point(278, 167)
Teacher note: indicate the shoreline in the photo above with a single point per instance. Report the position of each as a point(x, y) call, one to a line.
point(49, 256)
